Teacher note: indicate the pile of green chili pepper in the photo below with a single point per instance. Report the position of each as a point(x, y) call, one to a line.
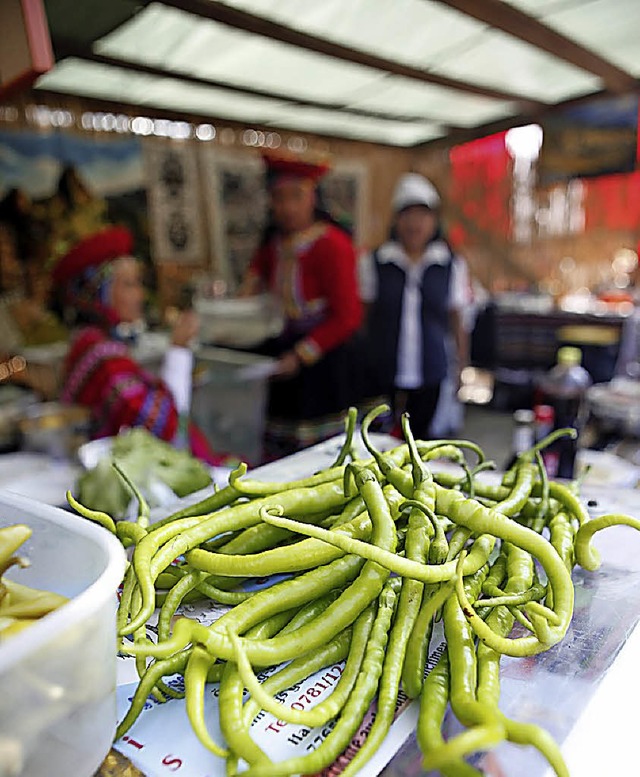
point(374, 552)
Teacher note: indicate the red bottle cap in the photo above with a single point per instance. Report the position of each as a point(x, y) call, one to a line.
point(544, 414)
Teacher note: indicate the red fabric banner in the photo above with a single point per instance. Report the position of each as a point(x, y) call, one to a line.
point(480, 191)
point(612, 202)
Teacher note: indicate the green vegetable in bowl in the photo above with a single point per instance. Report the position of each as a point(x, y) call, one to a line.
point(146, 460)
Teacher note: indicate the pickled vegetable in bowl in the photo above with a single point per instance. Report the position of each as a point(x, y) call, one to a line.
point(20, 605)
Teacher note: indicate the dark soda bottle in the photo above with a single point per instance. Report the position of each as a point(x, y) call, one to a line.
point(564, 388)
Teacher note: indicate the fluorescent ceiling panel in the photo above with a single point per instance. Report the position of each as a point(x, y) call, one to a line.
point(343, 125)
point(611, 29)
point(108, 83)
point(501, 61)
point(408, 98)
point(166, 37)
point(539, 8)
point(182, 42)
point(413, 32)
point(608, 27)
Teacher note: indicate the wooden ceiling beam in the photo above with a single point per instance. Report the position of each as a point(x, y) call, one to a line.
point(514, 22)
point(258, 25)
point(65, 48)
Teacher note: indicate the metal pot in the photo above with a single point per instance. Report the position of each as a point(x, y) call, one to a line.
point(13, 403)
point(55, 429)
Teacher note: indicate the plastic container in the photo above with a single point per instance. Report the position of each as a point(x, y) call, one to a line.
point(58, 703)
point(564, 388)
point(229, 400)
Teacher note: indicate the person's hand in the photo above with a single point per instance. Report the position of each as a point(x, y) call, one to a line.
point(288, 365)
point(185, 328)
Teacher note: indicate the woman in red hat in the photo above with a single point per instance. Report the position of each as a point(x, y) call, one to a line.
point(308, 262)
point(100, 287)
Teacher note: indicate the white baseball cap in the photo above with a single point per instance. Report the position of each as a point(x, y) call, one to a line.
point(414, 189)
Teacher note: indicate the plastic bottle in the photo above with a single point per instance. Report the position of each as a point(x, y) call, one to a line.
point(523, 435)
point(564, 388)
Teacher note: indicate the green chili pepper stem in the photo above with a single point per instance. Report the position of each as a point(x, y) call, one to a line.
point(93, 515)
point(586, 554)
point(143, 506)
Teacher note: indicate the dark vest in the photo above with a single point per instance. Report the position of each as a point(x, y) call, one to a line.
point(383, 327)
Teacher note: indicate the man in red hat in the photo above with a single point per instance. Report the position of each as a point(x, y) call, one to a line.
point(99, 283)
point(307, 261)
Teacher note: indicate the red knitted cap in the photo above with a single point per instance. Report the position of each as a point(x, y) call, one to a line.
point(93, 251)
point(291, 166)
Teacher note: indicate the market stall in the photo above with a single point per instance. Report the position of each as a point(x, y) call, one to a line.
point(153, 118)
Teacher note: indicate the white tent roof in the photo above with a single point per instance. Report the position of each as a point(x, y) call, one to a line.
point(402, 72)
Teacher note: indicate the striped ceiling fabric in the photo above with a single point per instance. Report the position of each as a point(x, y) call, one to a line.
point(400, 73)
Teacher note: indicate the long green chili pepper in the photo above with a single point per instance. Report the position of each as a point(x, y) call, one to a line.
point(418, 645)
point(433, 573)
point(434, 699)
point(152, 558)
point(347, 450)
point(520, 572)
point(308, 555)
point(562, 537)
point(282, 711)
point(479, 519)
point(499, 597)
point(204, 588)
point(567, 499)
point(458, 540)
point(486, 729)
point(174, 599)
point(541, 515)
point(210, 504)
point(256, 488)
point(236, 734)
point(195, 678)
point(357, 704)
point(521, 490)
point(124, 608)
point(143, 505)
point(330, 706)
point(173, 665)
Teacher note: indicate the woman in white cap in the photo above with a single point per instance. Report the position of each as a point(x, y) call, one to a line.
point(416, 289)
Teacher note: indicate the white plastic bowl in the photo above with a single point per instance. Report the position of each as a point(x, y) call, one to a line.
point(58, 704)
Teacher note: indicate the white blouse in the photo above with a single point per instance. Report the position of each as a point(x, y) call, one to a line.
point(409, 364)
